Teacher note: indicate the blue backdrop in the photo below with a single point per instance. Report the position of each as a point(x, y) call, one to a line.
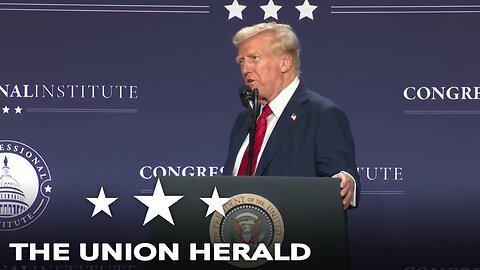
point(107, 93)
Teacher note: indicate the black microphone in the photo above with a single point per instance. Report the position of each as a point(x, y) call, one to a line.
point(249, 99)
point(246, 96)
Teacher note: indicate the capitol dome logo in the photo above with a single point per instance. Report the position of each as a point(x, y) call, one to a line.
point(25, 185)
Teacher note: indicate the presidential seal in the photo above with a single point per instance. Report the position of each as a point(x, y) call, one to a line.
point(25, 185)
point(249, 219)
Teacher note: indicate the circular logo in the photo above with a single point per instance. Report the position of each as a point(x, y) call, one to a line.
point(250, 219)
point(25, 185)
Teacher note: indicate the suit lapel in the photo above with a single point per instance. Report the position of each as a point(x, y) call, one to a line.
point(241, 134)
point(291, 115)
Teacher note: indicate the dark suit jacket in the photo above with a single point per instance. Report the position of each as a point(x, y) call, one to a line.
point(317, 143)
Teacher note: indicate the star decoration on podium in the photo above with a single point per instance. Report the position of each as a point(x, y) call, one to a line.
point(6, 109)
point(235, 10)
point(102, 203)
point(215, 203)
point(271, 10)
point(158, 204)
point(306, 10)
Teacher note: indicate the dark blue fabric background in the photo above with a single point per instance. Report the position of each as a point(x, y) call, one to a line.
point(187, 85)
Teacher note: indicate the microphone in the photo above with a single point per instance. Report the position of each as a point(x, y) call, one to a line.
point(246, 96)
point(249, 99)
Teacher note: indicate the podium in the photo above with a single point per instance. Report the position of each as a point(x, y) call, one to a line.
point(262, 210)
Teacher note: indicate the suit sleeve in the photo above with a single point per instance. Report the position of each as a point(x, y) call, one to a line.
point(334, 149)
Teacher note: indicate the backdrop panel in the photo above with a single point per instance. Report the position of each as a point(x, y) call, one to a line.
point(112, 94)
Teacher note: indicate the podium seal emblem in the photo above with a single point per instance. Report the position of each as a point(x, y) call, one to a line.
point(250, 219)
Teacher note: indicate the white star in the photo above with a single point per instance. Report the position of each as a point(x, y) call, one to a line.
point(5, 109)
point(101, 203)
point(18, 109)
point(271, 10)
point(48, 189)
point(306, 10)
point(235, 10)
point(215, 203)
point(158, 204)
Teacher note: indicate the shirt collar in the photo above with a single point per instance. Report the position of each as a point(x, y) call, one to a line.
point(279, 103)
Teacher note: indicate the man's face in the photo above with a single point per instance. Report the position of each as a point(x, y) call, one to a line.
point(260, 67)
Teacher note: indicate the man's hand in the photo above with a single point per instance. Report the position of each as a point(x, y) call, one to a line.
point(346, 186)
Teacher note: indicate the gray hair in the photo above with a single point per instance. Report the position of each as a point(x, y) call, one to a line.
point(284, 39)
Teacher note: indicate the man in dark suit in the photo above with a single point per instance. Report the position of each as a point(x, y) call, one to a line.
point(304, 133)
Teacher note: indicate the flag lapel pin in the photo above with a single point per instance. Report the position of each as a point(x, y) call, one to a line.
point(293, 117)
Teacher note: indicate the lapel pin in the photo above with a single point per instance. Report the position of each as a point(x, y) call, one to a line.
point(293, 116)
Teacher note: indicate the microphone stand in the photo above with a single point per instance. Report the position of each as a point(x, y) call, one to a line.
point(253, 130)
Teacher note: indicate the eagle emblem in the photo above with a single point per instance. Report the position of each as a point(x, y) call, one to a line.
point(247, 228)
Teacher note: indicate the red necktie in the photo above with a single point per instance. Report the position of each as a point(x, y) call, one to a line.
point(261, 128)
